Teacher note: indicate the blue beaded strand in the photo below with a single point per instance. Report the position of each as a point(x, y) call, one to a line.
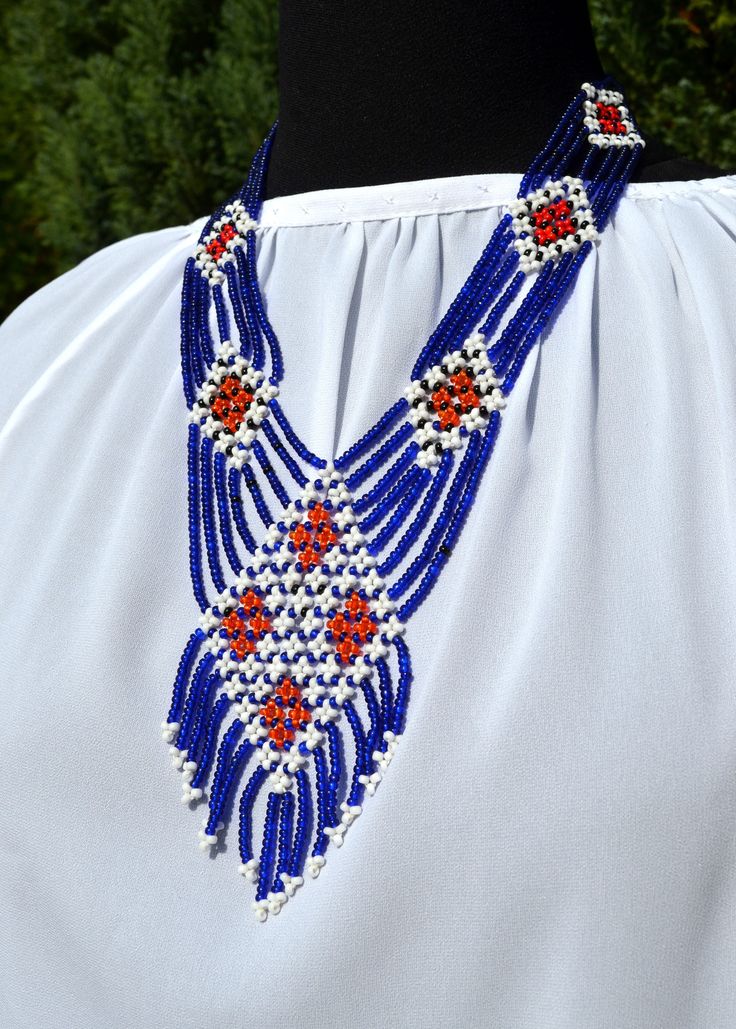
point(529, 315)
point(455, 522)
point(379, 457)
point(254, 489)
point(402, 512)
point(487, 298)
point(209, 523)
point(357, 788)
point(477, 300)
point(224, 753)
point(385, 691)
point(199, 679)
point(233, 287)
point(286, 830)
point(229, 781)
point(537, 173)
point(334, 777)
point(296, 444)
point(398, 713)
point(223, 509)
point(279, 448)
point(371, 437)
point(435, 534)
point(186, 324)
point(223, 320)
point(387, 480)
point(303, 823)
point(270, 472)
point(375, 733)
point(483, 268)
point(211, 733)
point(198, 729)
point(236, 506)
point(204, 347)
point(277, 361)
point(183, 672)
point(502, 305)
point(419, 524)
point(245, 819)
point(566, 275)
point(391, 499)
point(257, 350)
point(268, 846)
point(195, 541)
point(323, 803)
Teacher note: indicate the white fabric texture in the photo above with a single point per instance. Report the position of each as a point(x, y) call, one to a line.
point(554, 845)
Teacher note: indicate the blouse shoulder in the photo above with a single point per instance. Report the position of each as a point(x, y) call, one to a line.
point(123, 284)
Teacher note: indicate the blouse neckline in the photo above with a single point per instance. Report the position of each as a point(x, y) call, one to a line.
point(439, 196)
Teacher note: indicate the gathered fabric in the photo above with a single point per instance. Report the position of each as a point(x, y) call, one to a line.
point(556, 847)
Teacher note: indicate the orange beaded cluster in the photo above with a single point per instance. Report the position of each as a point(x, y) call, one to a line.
point(314, 537)
point(218, 246)
point(352, 627)
point(231, 403)
point(455, 398)
point(609, 119)
point(284, 713)
point(247, 630)
point(553, 223)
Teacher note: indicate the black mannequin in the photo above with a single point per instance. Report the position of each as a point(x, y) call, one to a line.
point(395, 90)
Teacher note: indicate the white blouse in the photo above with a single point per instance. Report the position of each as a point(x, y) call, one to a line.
point(554, 845)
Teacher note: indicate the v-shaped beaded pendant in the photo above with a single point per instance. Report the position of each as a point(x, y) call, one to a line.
point(292, 692)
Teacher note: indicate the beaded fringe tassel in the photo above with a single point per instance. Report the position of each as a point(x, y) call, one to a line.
point(291, 694)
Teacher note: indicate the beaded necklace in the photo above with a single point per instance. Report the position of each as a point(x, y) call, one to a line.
point(303, 646)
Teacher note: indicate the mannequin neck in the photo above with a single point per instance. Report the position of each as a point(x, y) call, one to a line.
point(389, 92)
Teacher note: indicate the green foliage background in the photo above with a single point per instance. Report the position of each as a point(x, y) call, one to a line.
point(122, 116)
